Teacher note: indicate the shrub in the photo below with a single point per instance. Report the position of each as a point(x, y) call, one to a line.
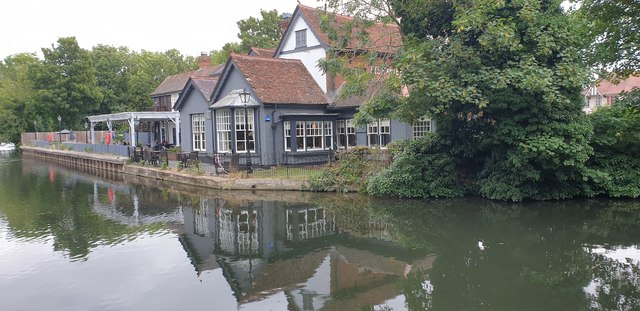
point(348, 172)
point(418, 170)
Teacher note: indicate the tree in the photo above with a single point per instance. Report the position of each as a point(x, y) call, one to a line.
point(614, 34)
point(260, 33)
point(616, 144)
point(502, 81)
point(221, 56)
point(17, 114)
point(253, 32)
point(113, 71)
point(65, 84)
point(148, 70)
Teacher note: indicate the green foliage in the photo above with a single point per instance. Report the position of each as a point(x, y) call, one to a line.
point(419, 170)
point(501, 80)
point(65, 84)
point(17, 111)
point(348, 172)
point(260, 33)
point(616, 144)
point(613, 34)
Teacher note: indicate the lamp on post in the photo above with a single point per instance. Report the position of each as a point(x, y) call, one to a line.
point(244, 98)
point(59, 128)
point(86, 128)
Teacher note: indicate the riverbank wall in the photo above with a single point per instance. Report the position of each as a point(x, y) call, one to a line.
point(120, 164)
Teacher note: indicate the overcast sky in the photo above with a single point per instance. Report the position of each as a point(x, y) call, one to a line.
point(191, 26)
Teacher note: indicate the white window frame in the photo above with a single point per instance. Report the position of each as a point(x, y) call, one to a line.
point(379, 133)
point(239, 128)
point(287, 135)
point(314, 135)
point(308, 136)
point(347, 130)
point(223, 130)
point(198, 134)
point(422, 126)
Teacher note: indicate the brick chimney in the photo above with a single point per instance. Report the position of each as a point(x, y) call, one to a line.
point(204, 61)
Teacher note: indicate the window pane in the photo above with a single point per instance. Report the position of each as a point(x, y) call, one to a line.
point(223, 129)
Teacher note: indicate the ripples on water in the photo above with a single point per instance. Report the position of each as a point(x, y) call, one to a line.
point(84, 240)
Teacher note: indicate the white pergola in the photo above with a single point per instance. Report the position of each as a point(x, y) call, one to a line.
point(133, 118)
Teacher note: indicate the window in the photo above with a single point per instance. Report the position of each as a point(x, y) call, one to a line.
point(598, 100)
point(328, 134)
point(379, 133)
point(223, 127)
point(310, 135)
point(421, 127)
point(244, 137)
point(313, 137)
point(300, 136)
point(287, 136)
point(301, 38)
point(346, 133)
point(609, 100)
point(198, 135)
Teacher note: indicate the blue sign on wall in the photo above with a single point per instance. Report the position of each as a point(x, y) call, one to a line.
point(267, 118)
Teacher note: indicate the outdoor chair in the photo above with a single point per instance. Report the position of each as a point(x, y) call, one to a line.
point(151, 157)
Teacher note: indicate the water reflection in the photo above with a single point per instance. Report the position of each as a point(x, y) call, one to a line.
point(290, 251)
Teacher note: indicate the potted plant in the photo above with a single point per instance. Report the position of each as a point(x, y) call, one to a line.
point(172, 153)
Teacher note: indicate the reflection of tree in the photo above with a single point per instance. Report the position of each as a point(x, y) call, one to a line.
point(36, 208)
point(616, 285)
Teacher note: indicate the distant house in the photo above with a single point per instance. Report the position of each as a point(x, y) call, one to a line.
point(168, 92)
point(604, 92)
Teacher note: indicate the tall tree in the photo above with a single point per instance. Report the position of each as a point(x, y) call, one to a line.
point(614, 31)
point(502, 80)
point(148, 70)
point(65, 84)
point(264, 32)
point(260, 32)
point(16, 97)
point(113, 72)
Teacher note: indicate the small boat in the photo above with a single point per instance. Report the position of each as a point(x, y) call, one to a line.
point(7, 146)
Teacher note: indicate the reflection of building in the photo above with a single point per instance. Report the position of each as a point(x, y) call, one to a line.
point(275, 248)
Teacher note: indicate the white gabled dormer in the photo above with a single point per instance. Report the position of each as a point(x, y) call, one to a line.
point(301, 42)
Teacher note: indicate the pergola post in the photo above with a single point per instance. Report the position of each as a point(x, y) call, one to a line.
point(93, 138)
point(132, 130)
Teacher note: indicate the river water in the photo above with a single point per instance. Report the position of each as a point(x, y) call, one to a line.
point(88, 240)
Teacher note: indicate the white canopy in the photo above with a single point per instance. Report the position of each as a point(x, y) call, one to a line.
point(133, 118)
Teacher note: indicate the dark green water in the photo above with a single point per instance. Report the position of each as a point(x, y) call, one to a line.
point(73, 240)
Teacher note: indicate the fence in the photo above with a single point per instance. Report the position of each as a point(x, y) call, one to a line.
point(289, 165)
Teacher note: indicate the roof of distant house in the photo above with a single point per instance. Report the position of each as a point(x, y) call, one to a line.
point(205, 85)
point(175, 83)
point(260, 52)
point(383, 37)
point(355, 101)
point(608, 88)
point(279, 81)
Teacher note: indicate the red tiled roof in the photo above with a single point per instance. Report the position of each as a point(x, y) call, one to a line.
point(608, 88)
point(385, 38)
point(260, 52)
point(175, 83)
point(279, 81)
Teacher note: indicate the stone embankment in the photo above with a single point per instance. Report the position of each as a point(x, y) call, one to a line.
point(120, 164)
